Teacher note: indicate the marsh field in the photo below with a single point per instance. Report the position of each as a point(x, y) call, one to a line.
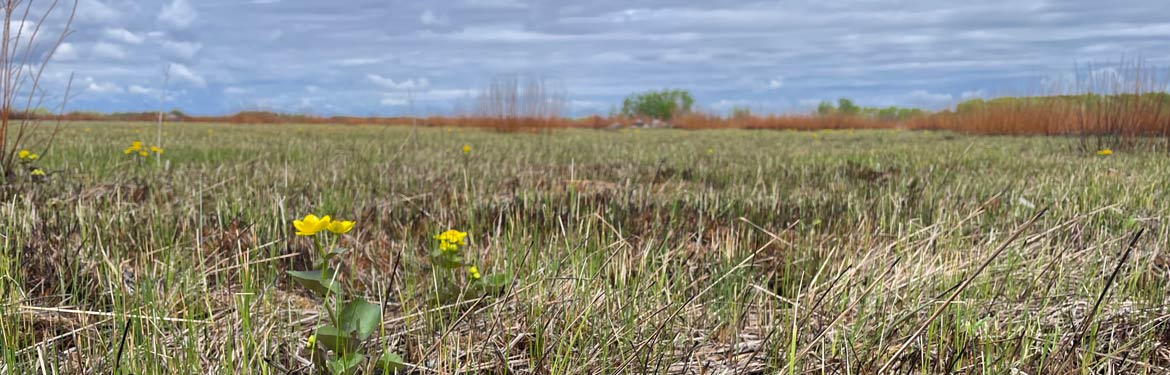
point(631, 251)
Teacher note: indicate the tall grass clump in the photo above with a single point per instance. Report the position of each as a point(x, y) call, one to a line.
point(512, 103)
point(1115, 106)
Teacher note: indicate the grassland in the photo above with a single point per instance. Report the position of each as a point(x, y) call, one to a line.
point(652, 251)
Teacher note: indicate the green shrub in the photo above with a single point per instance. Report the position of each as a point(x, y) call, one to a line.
point(662, 105)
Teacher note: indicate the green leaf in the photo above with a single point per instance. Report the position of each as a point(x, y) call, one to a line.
point(321, 281)
point(336, 339)
point(345, 364)
point(391, 362)
point(335, 252)
point(446, 260)
point(361, 316)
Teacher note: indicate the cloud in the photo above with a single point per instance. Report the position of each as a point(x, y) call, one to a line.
point(927, 99)
point(65, 52)
point(104, 88)
point(94, 11)
point(178, 14)
point(877, 52)
point(394, 102)
point(409, 84)
point(140, 90)
point(181, 50)
point(109, 50)
point(122, 35)
point(494, 4)
point(183, 73)
point(429, 18)
point(356, 61)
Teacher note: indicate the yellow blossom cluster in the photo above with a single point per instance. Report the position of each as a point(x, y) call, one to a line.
point(310, 225)
point(137, 148)
point(26, 155)
point(451, 240)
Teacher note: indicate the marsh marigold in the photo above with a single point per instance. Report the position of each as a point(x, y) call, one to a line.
point(451, 240)
point(1104, 152)
point(340, 226)
point(311, 225)
point(135, 146)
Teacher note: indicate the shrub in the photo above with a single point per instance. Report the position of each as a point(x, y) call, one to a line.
point(661, 105)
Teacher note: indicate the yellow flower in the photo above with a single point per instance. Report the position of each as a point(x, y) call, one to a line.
point(340, 227)
point(710, 151)
point(474, 272)
point(311, 224)
point(451, 240)
point(466, 149)
point(1104, 152)
point(312, 341)
point(134, 147)
point(143, 153)
point(33, 157)
point(24, 154)
point(37, 172)
point(156, 149)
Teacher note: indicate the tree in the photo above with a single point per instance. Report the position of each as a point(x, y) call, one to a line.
point(661, 105)
point(826, 108)
point(740, 112)
point(846, 107)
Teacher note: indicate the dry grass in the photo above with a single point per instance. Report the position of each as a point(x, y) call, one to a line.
point(634, 251)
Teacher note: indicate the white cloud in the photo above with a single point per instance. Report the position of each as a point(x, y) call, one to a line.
point(429, 18)
point(95, 11)
point(494, 3)
point(181, 50)
point(686, 56)
point(611, 57)
point(776, 83)
point(231, 90)
point(178, 14)
point(122, 35)
point(394, 102)
point(927, 98)
point(182, 72)
point(105, 88)
point(136, 89)
point(587, 105)
point(972, 94)
point(312, 89)
point(356, 61)
point(409, 84)
point(109, 50)
point(65, 52)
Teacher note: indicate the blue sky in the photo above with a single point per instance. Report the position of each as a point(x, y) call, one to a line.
point(368, 57)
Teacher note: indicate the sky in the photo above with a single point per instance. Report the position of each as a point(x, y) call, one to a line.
point(380, 57)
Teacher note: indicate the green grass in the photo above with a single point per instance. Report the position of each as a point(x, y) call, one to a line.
point(632, 251)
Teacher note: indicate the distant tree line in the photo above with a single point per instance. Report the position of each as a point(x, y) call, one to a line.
point(1087, 102)
point(845, 107)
